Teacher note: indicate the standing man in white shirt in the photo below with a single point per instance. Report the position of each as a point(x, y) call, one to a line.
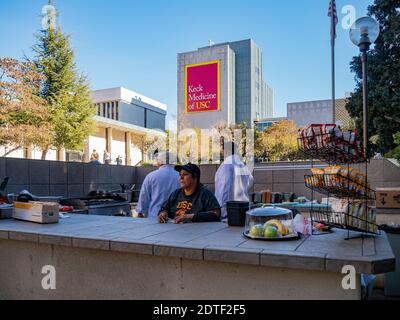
point(233, 181)
point(157, 187)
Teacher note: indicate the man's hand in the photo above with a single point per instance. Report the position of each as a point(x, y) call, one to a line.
point(162, 217)
point(217, 213)
point(183, 218)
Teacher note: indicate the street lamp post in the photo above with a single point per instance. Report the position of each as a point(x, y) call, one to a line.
point(363, 33)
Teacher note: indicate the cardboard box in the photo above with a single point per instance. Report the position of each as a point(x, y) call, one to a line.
point(388, 198)
point(39, 212)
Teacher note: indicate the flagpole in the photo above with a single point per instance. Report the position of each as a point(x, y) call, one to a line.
point(333, 34)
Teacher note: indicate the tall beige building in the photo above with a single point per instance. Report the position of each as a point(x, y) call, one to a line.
point(243, 94)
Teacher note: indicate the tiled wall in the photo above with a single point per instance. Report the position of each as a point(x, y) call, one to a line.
point(381, 173)
point(48, 178)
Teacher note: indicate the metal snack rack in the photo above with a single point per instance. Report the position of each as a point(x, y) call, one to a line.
point(323, 142)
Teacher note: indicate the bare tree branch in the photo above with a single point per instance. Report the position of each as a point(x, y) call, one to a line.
point(10, 151)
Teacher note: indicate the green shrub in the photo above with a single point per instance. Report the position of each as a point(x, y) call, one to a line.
point(397, 150)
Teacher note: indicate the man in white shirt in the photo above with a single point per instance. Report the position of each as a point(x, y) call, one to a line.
point(233, 182)
point(157, 187)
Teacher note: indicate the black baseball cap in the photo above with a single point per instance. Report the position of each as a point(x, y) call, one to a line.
point(191, 168)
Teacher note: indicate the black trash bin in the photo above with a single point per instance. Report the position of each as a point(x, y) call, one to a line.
point(236, 211)
point(392, 279)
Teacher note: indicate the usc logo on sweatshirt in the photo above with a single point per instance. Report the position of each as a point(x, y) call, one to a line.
point(185, 205)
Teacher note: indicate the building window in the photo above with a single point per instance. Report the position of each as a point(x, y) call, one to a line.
point(98, 109)
point(108, 110)
point(117, 111)
point(104, 110)
point(112, 111)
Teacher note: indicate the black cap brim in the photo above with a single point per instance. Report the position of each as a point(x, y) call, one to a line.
point(188, 168)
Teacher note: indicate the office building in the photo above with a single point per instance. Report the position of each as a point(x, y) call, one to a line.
point(230, 87)
point(320, 111)
point(268, 102)
point(121, 115)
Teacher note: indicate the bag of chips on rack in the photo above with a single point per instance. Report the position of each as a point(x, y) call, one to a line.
point(308, 135)
point(329, 133)
point(362, 216)
point(308, 139)
point(318, 132)
point(369, 218)
point(303, 139)
point(345, 172)
point(351, 214)
point(331, 176)
point(309, 181)
point(361, 184)
point(318, 177)
point(338, 205)
point(345, 179)
point(317, 171)
point(353, 176)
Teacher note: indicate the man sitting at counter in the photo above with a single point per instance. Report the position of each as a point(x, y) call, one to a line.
point(193, 202)
point(157, 186)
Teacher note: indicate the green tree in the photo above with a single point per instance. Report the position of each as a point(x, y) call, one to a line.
point(383, 79)
point(397, 150)
point(259, 148)
point(280, 141)
point(66, 91)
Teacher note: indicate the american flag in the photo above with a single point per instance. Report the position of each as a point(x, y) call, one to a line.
point(333, 14)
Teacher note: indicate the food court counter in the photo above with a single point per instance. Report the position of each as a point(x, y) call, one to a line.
point(102, 257)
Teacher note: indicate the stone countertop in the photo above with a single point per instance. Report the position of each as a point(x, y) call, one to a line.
point(207, 241)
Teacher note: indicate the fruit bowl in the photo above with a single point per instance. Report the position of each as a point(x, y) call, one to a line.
point(270, 224)
point(283, 238)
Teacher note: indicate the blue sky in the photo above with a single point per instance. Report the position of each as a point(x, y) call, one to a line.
point(134, 44)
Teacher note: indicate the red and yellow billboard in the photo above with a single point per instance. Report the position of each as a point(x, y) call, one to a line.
point(202, 87)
